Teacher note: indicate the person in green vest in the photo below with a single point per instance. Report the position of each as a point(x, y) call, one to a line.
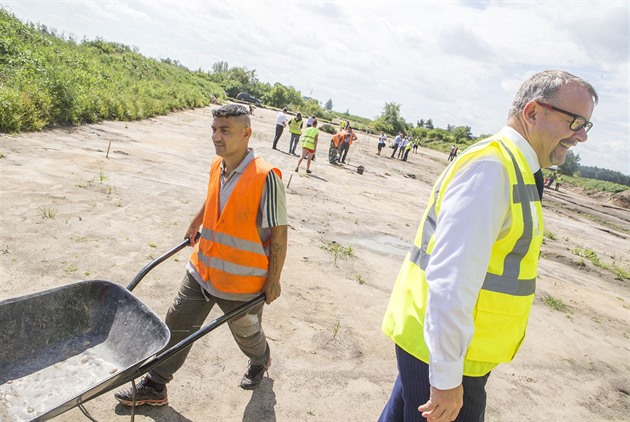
point(295, 129)
point(463, 295)
point(309, 146)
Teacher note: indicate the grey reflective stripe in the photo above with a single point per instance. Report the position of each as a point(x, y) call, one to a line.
point(419, 257)
point(508, 282)
point(230, 267)
point(234, 242)
point(503, 284)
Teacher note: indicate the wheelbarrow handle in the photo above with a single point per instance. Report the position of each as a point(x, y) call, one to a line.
point(173, 350)
point(157, 261)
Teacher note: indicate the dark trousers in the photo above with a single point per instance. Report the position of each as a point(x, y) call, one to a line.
point(279, 129)
point(412, 389)
point(343, 151)
point(395, 149)
point(406, 154)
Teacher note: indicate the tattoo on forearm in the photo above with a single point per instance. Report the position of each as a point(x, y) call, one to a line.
point(275, 249)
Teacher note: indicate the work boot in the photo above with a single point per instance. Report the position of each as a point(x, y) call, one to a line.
point(254, 375)
point(147, 392)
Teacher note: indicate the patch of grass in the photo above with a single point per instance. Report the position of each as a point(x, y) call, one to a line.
point(338, 251)
point(152, 245)
point(101, 175)
point(619, 272)
point(47, 212)
point(555, 303)
point(2, 155)
point(359, 278)
point(549, 235)
point(71, 269)
point(81, 239)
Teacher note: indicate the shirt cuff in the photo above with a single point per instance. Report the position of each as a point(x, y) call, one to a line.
point(446, 375)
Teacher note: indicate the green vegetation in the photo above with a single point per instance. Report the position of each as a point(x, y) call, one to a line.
point(47, 212)
point(336, 329)
point(48, 80)
point(619, 272)
point(549, 235)
point(554, 303)
point(359, 279)
point(338, 251)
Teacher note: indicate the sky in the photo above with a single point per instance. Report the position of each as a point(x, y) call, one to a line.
point(454, 62)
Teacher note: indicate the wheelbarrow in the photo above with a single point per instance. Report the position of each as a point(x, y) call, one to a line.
point(65, 346)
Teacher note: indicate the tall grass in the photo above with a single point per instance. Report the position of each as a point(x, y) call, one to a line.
point(47, 80)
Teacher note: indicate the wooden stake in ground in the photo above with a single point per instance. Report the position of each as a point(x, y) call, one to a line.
point(108, 147)
point(289, 183)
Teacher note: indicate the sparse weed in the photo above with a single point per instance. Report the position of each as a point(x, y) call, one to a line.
point(2, 155)
point(336, 329)
point(47, 212)
point(359, 278)
point(549, 235)
point(101, 175)
point(338, 251)
point(619, 272)
point(71, 269)
point(555, 304)
point(152, 245)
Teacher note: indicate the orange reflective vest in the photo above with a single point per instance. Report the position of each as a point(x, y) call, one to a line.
point(230, 254)
point(340, 136)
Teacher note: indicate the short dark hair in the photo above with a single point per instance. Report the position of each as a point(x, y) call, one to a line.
point(233, 110)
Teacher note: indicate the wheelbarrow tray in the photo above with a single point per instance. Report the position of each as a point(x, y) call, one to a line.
point(64, 346)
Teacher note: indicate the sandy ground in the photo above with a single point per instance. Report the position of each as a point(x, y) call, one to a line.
point(331, 361)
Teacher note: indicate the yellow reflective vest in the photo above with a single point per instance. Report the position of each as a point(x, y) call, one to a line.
point(295, 126)
point(308, 140)
point(505, 299)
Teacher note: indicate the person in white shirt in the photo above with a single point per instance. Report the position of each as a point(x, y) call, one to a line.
point(281, 122)
point(464, 292)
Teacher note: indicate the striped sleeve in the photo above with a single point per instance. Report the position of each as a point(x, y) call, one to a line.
point(273, 202)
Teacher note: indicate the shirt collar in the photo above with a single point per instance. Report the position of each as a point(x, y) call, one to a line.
point(249, 157)
point(522, 144)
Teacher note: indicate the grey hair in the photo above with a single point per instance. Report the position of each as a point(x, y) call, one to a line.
point(544, 86)
point(232, 110)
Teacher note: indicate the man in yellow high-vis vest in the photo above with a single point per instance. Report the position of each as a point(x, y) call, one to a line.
point(462, 299)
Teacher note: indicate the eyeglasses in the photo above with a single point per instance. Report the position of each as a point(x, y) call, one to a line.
point(578, 121)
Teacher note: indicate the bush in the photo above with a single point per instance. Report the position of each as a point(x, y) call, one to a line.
point(328, 128)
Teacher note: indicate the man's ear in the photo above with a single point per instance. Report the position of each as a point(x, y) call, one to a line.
point(247, 133)
point(530, 113)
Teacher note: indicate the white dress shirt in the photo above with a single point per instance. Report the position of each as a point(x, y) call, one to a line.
point(474, 214)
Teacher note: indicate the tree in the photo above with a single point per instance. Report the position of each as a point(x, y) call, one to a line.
point(329, 105)
point(420, 123)
point(428, 124)
point(390, 121)
point(571, 164)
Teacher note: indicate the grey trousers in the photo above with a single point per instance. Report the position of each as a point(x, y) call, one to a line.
point(186, 315)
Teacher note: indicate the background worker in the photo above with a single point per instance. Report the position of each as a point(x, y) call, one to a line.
point(240, 254)
point(309, 146)
point(295, 129)
point(281, 122)
point(462, 298)
point(397, 141)
point(346, 141)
